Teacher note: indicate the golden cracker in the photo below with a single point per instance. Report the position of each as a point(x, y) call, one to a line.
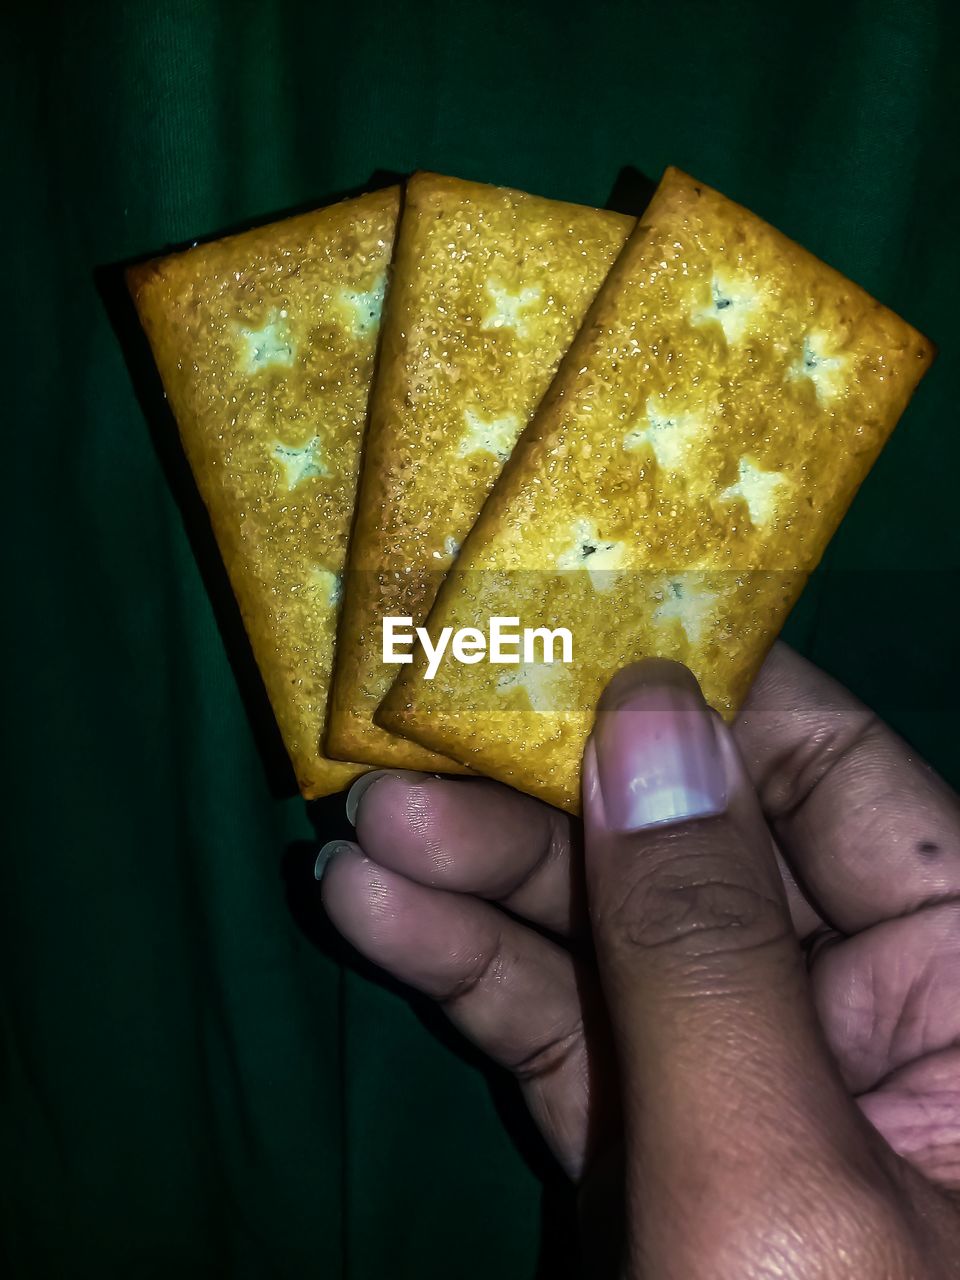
point(265, 342)
point(488, 289)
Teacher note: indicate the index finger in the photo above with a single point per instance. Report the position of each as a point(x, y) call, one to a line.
point(472, 835)
point(870, 830)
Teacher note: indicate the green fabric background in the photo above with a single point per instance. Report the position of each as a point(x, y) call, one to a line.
point(196, 1078)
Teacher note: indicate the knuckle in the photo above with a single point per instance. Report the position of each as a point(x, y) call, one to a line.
point(826, 752)
point(549, 1058)
point(693, 909)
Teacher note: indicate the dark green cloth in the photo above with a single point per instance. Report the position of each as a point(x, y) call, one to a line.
point(196, 1079)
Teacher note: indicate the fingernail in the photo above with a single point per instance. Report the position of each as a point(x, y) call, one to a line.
point(657, 756)
point(366, 781)
point(328, 851)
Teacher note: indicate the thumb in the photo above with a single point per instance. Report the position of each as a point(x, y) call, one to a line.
point(726, 1080)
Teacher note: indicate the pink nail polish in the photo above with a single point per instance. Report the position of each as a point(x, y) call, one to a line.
point(658, 760)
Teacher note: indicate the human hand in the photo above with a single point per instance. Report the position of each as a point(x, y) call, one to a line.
point(789, 1077)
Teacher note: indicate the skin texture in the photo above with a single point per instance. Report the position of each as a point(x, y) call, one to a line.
point(766, 1080)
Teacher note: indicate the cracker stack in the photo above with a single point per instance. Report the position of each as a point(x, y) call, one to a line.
point(721, 399)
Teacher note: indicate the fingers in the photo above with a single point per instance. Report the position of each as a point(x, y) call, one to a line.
point(917, 1110)
point(869, 829)
point(888, 996)
point(476, 836)
point(472, 836)
point(513, 993)
point(724, 1067)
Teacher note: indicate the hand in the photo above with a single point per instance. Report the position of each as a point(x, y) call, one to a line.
point(789, 1074)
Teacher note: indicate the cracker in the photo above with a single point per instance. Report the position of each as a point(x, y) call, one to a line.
point(706, 433)
point(265, 342)
point(488, 289)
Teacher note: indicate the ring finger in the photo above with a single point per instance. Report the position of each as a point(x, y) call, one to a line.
point(513, 993)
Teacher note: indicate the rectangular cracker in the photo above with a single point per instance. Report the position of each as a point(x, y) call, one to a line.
point(265, 342)
point(706, 433)
point(487, 290)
